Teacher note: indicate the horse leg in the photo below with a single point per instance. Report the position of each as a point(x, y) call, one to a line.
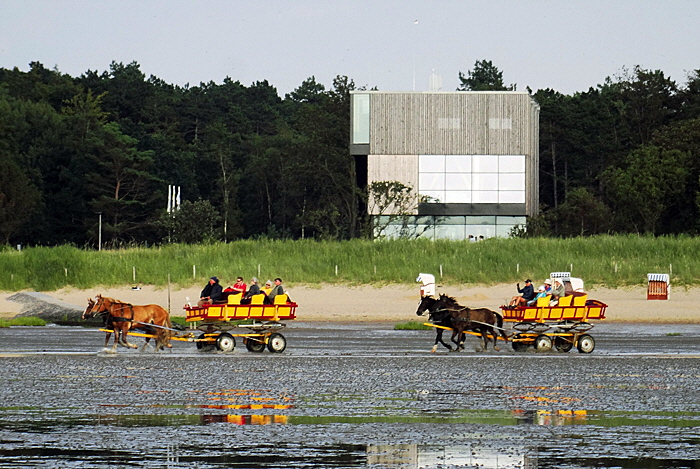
point(438, 340)
point(457, 333)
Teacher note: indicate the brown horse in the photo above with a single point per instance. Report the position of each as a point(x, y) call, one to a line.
point(107, 325)
point(482, 320)
point(124, 316)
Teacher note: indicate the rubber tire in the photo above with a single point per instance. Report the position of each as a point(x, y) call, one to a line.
point(276, 343)
point(254, 346)
point(201, 345)
point(543, 343)
point(519, 346)
point(225, 342)
point(562, 344)
point(585, 344)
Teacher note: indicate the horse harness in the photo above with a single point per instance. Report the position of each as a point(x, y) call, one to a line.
point(124, 306)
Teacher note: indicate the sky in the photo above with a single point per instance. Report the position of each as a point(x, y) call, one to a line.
point(567, 45)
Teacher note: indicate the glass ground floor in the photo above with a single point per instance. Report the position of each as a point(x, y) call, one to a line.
point(446, 227)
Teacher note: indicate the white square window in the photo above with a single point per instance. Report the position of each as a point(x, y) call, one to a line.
point(458, 197)
point(431, 163)
point(485, 197)
point(511, 197)
point(511, 163)
point(431, 182)
point(458, 164)
point(458, 182)
point(436, 196)
point(511, 182)
point(485, 164)
point(485, 182)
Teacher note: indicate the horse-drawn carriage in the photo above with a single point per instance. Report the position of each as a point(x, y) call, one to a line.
point(544, 325)
point(219, 324)
point(219, 321)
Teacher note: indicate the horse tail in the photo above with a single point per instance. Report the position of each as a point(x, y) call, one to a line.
point(167, 332)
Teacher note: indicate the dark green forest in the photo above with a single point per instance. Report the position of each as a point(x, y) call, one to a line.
point(622, 157)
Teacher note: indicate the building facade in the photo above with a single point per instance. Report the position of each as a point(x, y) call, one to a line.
point(473, 155)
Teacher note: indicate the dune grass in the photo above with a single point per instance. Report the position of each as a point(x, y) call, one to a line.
point(612, 261)
point(411, 326)
point(23, 321)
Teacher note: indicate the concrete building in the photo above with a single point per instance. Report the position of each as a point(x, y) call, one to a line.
point(474, 154)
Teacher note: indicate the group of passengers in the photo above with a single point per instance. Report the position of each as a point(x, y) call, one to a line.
point(529, 297)
point(214, 293)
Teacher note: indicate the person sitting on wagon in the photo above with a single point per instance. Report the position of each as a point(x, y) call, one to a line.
point(212, 293)
point(239, 286)
point(252, 291)
point(541, 292)
point(267, 288)
point(527, 293)
point(557, 292)
point(277, 290)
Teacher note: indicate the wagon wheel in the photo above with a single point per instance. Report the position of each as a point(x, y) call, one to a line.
point(225, 342)
point(254, 345)
point(543, 343)
point(586, 344)
point(518, 346)
point(562, 344)
point(201, 343)
point(276, 343)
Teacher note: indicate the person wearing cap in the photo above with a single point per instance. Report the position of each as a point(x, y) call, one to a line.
point(278, 289)
point(211, 293)
point(541, 292)
point(527, 293)
point(253, 290)
point(557, 292)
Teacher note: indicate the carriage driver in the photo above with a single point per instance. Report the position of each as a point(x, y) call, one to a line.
point(211, 294)
point(527, 293)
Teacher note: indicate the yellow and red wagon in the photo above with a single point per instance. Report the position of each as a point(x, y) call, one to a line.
point(220, 324)
point(562, 326)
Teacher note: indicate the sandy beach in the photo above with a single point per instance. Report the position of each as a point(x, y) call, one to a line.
point(396, 303)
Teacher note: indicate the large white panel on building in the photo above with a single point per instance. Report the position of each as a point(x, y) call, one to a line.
point(488, 182)
point(458, 197)
point(511, 197)
point(458, 182)
point(511, 182)
point(511, 164)
point(436, 196)
point(458, 163)
point(431, 163)
point(431, 182)
point(484, 164)
point(485, 197)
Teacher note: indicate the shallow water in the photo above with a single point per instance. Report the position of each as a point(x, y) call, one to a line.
point(351, 396)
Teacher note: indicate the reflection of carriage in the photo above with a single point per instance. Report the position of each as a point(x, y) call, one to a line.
point(219, 321)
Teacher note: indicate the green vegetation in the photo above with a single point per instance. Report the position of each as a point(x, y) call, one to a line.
point(411, 326)
point(613, 261)
point(23, 321)
point(93, 158)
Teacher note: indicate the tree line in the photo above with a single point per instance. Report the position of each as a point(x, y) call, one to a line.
point(622, 157)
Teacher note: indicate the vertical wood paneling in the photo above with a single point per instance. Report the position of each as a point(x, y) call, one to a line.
point(404, 124)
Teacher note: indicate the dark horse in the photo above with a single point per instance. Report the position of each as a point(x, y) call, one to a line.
point(439, 317)
point(124, 316)
point(482, 320)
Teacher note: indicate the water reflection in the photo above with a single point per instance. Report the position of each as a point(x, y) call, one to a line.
point(433, 456)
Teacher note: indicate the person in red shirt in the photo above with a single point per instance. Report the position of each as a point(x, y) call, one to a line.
point(239, 286)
